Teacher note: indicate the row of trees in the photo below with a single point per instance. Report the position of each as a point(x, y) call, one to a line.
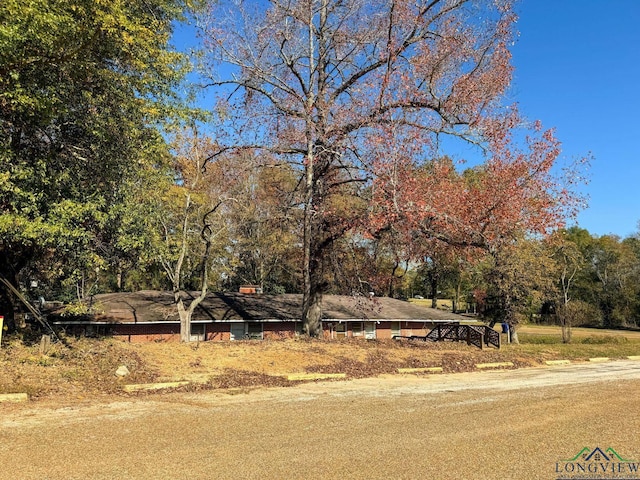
point(321, 167)
point(571, 277)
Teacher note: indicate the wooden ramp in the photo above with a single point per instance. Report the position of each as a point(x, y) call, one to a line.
point(478, 335)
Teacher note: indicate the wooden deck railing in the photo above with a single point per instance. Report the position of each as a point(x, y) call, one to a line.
point(478, 335)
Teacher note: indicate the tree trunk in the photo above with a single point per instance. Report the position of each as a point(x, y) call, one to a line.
point(317, 239)
point(563, 315)
point(312, 314)
point(513, 333)
point(119, 275)
point(175, 274)
point(312, 296)
point(456, 299)
point(12, 261)
point(9, 304)
point(186, 313)
point(185, 321)
point(311, 302)
point(510, 318)
point(434, 291)
point(314, 289)
point(566, 332)
point(9, 308)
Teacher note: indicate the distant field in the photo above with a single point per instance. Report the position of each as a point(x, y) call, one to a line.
point(444, 304)
point(578, 332)
point(546, 340)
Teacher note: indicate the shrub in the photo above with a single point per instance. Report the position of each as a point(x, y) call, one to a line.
point(603, 339)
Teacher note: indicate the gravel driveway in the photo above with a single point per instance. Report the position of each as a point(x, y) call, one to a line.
point(517, 424)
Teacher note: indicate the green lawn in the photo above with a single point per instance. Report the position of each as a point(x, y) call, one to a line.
point(546, 340)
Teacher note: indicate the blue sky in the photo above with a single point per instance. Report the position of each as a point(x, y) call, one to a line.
point(577, 69)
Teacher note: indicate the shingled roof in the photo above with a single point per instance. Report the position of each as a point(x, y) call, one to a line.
point(154, 306)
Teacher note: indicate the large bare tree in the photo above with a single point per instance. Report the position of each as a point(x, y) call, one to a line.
point(324, 83)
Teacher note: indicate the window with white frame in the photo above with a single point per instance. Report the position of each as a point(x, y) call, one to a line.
point(237, 330)
point(370, 330)
point(197, 332)
point(356, 329)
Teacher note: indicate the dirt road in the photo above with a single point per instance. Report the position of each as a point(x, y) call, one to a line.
point(515, 424)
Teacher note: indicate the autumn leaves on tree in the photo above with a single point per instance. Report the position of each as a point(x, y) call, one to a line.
point(358, 95)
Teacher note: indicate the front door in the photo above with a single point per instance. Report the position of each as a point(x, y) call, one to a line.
point(356, 329)
point(341, 330)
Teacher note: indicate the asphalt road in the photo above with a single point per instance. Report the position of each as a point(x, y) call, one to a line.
point(517, 424)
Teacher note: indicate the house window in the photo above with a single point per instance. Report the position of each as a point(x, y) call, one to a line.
point(356, 329)
point(254, 330)
point(396, 331)
point(197, 332)
point(237, 330)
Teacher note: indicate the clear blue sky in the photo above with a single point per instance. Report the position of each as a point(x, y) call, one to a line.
point(577, 68)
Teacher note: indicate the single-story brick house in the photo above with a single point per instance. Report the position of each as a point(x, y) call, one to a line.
point(152, 316)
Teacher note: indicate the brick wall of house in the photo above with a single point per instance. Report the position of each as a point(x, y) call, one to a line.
point(222, 331)
point(218, 332)
point(415, 328)
point(276, 331)
point(383, 330)
point(135, 333)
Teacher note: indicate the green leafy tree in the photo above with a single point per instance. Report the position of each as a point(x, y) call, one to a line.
point(615, 266)
point(632, 286)
point(519, 277)
point(609, 278)
point(193, 221)
point(569, 261)
point(83, 86)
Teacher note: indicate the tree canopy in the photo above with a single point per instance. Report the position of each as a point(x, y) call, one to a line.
point(358, 94)
point(323, 168)
point(83, 86)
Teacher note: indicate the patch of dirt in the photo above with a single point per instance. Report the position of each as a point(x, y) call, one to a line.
point(356, 358)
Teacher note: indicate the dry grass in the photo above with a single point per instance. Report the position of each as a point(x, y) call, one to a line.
point(86, 367)
point(81, 368)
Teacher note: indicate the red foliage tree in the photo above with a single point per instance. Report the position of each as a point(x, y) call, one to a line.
point(484, 210)
point(514, 191)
